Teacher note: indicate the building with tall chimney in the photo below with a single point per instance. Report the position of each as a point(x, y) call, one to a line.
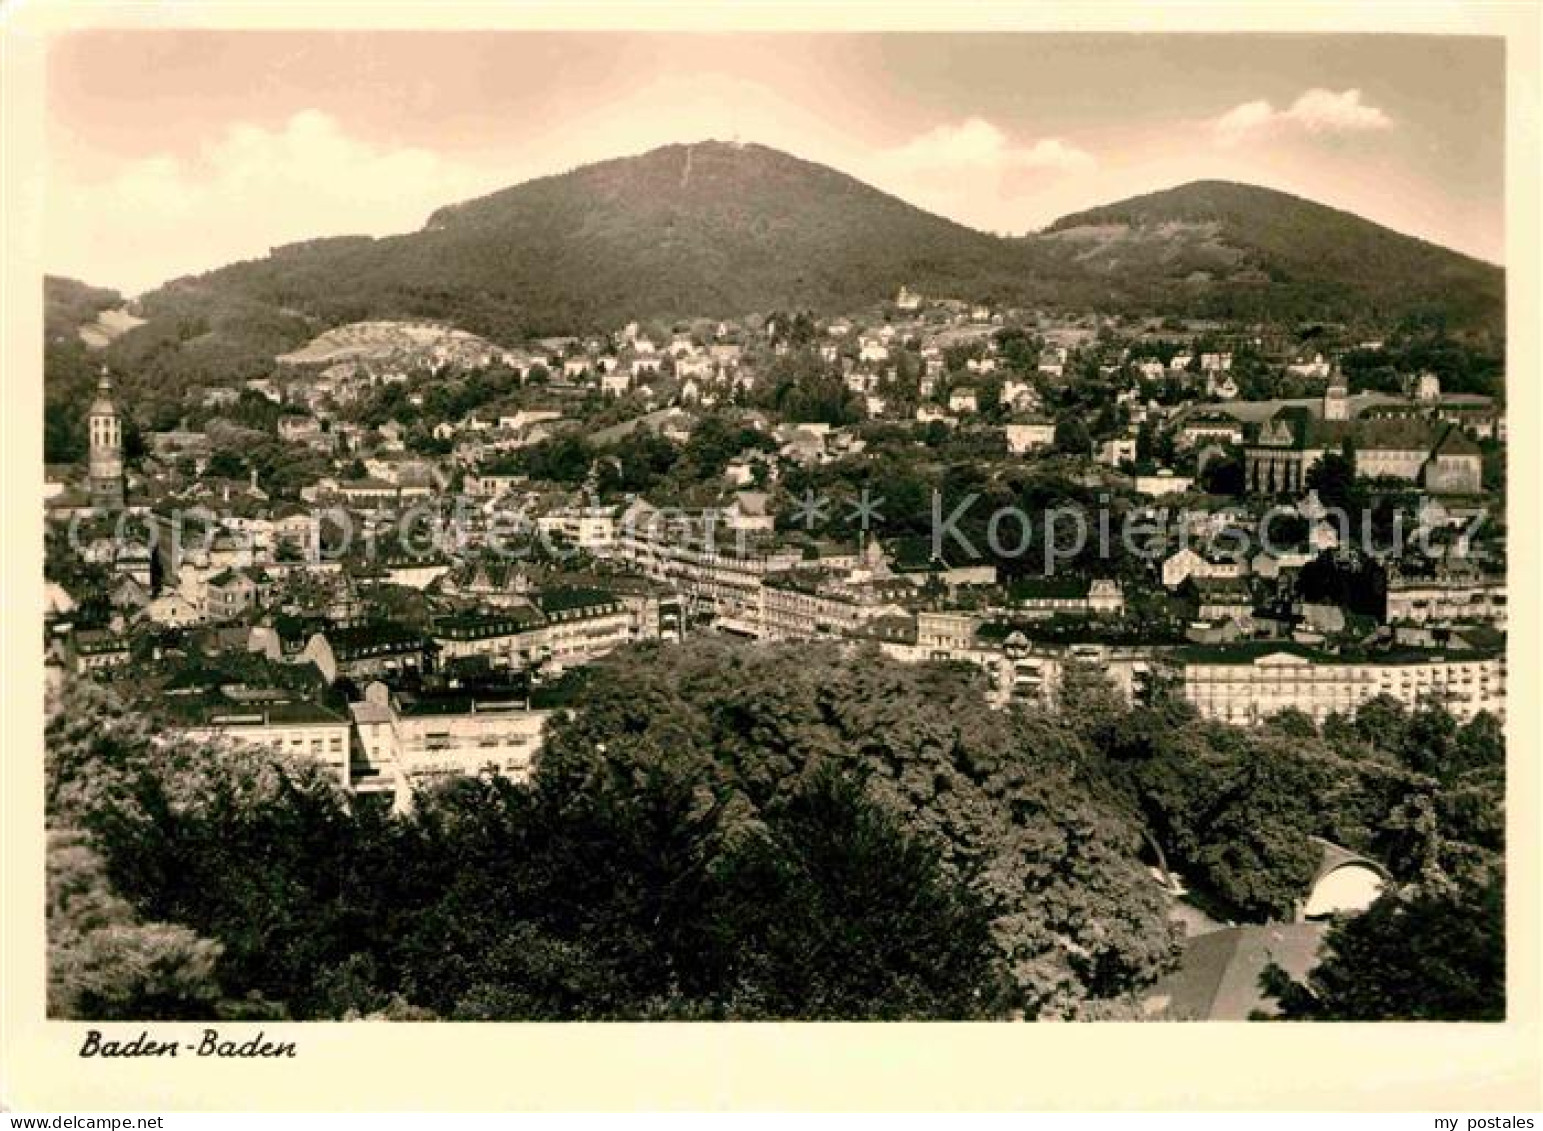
point(106, 448)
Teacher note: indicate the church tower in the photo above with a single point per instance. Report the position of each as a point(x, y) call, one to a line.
point(1336, 404)
point(106, 459)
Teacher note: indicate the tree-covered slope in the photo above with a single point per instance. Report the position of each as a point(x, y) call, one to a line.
point(721, 229)
point(1214, 247)
point(716, 229)
point(709, 229)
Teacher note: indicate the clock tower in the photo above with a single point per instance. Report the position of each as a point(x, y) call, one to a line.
point(106, 459)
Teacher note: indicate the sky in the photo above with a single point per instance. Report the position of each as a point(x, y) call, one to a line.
point(176, 151)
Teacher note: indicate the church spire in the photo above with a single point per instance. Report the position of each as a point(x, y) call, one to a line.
point(105, 457)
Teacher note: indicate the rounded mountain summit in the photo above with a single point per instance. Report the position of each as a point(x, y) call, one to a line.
point(718, 229)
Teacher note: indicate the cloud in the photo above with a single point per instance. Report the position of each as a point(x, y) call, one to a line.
point(248, 189)
point(976, 144)
point(973, 172)
point(1323, 110)
point(1316, 111)
point(1243, 119)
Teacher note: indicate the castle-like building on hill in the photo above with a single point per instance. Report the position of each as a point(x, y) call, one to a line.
point(1438, 455)
point(105, 431)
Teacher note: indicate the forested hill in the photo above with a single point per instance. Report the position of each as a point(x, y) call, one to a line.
point(1219, 248)
point(711, 229)
point(720, 229)
point(725, 230)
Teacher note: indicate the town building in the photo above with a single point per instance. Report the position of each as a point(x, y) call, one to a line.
point(1164, 482)
point(717, 573)
point(1248, 683)
point(408, 739)
point(94, 650)
point(105, 452)
point(231, 592)
point(585, 527)
point(1447, 599)
point(1030, 436)
point(369, 650)
point(1430, 452)
point(581, 625)
point(293, 725)
point(806, 604)
point(508, 638)
point(1068, 595)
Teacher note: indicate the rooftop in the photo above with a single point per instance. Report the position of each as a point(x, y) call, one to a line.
point(375, 636)
point(475, 626)
point(212, 708)
point(567, 600)
point(1219, 976)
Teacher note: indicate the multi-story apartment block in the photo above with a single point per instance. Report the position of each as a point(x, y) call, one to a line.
point(297, 727)
point(507, 638)
point(1251, 682)
point(368, 650)
point(405, 740)
point(580, 625)
point(801, 604)
point(590, 528)
point(1447, 600)
point(232, 592)
point(718, 573)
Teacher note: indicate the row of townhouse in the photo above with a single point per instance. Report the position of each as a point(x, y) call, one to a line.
point(1447, 600)
point(562, 628)
point(715, 571)
point(802, 605)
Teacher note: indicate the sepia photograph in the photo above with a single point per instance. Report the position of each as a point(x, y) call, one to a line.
point(845, 527)
point(770, 526)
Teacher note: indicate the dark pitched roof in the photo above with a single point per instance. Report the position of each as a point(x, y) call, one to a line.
point(1369, 433)
point(1065, 587)
point(1218, 978)
point(477, 626)
point(376, 637)
point(94, 641)
point(458, 701)
point(1394, 434)
point(233, 576)
point(1457, 443)
point(566, 600)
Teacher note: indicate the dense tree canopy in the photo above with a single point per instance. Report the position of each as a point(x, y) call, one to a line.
point(618, 884)
point(1429, 955)
point(728, 831)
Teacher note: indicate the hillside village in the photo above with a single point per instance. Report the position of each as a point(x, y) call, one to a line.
point(399, 549)
point(1159, 588)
